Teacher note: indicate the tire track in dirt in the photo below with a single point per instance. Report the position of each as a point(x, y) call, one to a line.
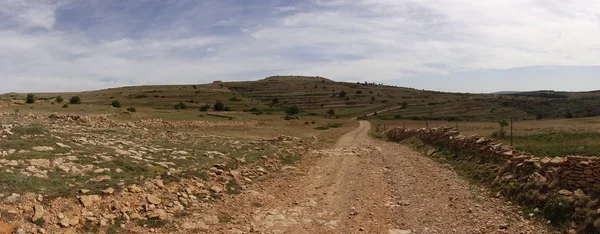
point(364, 185)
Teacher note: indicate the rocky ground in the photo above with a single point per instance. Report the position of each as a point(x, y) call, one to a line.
point(73, 174)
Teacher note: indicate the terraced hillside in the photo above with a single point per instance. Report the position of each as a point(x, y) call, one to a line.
point(318, 95)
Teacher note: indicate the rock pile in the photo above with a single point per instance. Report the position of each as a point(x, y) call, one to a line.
point(570, 172)
point(193, 124)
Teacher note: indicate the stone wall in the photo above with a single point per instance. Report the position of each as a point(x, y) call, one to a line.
point(570, 172)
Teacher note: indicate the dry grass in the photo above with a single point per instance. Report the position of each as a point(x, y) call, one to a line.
point(557, 137)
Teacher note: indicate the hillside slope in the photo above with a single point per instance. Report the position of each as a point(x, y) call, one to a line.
point(317, 95)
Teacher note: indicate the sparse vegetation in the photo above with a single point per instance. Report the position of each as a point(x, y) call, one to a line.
point(219, 106)
point(59, 99)
point(292, 111)
point(501, 133)
point(75, 100)
point(30, 98)
point(116, 104)
point(205, 108)
point(180, 106)
point(331, 113)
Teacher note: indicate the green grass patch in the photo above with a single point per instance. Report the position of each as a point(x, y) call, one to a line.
point(334, 125)
point(140, 96)
point(151, 223)
point(233, 187)
point(225, 218)
point(40, 222)
point(32, 129)
point(290, 159)
point(558, 144)
point(321, 128)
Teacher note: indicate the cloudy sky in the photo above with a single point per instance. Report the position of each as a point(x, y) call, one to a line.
point(450, 45)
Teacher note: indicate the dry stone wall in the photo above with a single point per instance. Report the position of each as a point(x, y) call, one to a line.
point(570, 172)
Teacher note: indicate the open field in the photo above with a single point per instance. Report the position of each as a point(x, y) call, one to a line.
point(555, 137)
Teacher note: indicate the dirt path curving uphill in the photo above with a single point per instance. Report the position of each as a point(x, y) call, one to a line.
point(364, 185)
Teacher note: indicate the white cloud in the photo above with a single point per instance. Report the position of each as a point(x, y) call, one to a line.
point(375, 40)
point(31, 14)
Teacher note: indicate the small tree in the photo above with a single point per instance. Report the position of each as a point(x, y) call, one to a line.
point(331, 113)
point(358, 92)
point(219, 106)
point(30, 98)
point(292, 111)
point(75, 100)
point(59, 99)
point(342, 94)
point(116, 104)
point(275, 100)
point(501, 133)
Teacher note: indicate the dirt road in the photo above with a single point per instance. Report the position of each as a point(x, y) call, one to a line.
point(364, 185)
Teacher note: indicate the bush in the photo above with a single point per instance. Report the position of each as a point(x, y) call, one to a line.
point(131, 109)
point(75, 100)
point(235, 99)
point(501, 133)
point(30, 98)
point(331, 113)
point(65, 105)
point(219, 106)
point(227, 108)
point(180, 106)
point(275, 100)
point(116, 104)
point(59, 99)
point(205, 107)
point(404, 105)
point(342, 94)
point(292, 110)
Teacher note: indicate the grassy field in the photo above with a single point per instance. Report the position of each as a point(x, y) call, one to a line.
point(555, 137)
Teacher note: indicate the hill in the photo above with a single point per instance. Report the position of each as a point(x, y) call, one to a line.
point(317, 95)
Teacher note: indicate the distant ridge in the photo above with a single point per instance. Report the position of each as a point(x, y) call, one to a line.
point(509, 92)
